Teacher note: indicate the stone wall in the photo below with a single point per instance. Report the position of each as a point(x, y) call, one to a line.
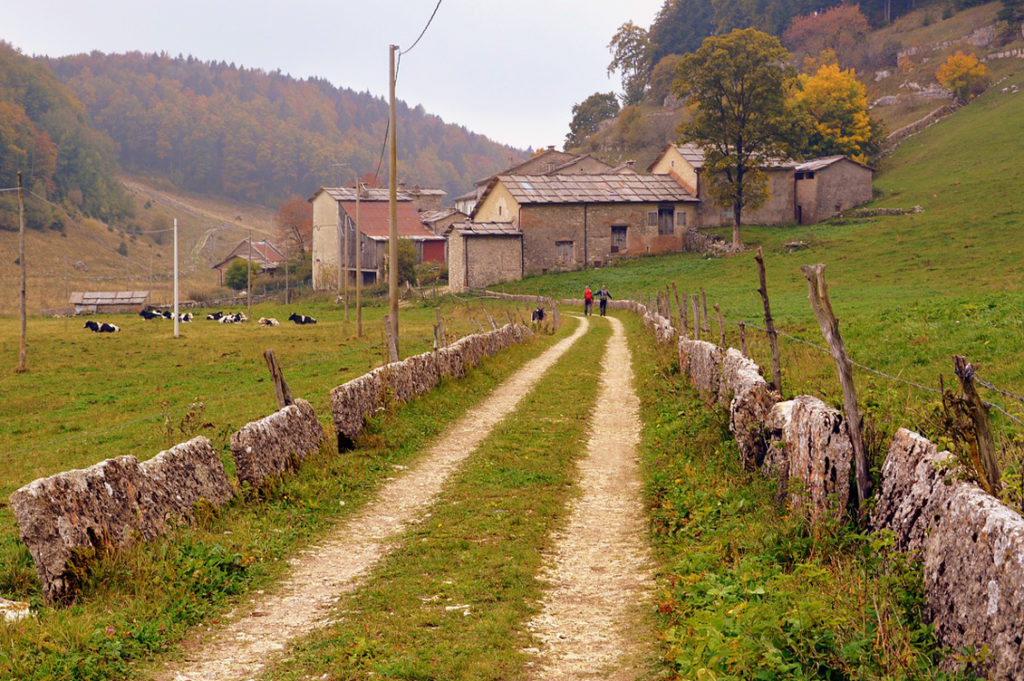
point(359, 399)
point(750, 403)
point(972, 548)
point(816, 450)
point(265, 450)
point(68, 518)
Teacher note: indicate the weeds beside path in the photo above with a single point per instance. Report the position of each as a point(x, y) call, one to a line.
point(301, 604)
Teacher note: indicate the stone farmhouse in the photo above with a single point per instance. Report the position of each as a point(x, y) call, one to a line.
point(334, 219)
point(799, 192)
point(533, 224)
point(264, 254)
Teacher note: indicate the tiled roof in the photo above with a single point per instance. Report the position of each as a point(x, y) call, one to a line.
point(374, 217)
point(609, 188)
point(486, 228)
point(693, 154)
point(369, 194)
point(108, 297)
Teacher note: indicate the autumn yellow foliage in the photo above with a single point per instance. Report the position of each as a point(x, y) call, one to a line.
point(964, 75)
point(834, 107)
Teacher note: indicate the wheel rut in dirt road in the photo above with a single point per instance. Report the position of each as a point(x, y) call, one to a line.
point(600, 568)
point(322, 574)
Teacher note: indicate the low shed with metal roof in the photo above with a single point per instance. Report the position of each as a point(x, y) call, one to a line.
point(108, 301)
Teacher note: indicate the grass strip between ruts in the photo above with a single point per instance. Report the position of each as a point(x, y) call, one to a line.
point(453, 600)
point(141, 602)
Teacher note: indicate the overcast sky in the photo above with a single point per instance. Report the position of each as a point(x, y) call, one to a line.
point(508, 70)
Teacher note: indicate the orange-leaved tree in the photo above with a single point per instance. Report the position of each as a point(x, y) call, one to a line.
point(294, 222)
point(964, 75)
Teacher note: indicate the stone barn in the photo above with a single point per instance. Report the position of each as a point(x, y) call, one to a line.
point(799, 192)
point(483, 253)
point(575, 221)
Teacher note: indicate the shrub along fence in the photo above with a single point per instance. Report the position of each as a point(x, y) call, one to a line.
point(70, 519)
point(971, 544)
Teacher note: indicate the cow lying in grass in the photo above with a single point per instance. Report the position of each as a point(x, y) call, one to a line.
point(214, 316)
point(101, 327)
point(268, 321)
point(151, 314)
point(301, 319)
point(236, 318)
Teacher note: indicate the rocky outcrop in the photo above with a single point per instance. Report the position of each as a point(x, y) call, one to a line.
point(67, 519)
point(811, 444)
point(266, 450)
point(972, 548)
point(702, 361)
point(750, 404)
point(12, 611)
point(353, 402)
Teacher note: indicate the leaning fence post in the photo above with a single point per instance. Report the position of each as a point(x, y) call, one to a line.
point(284, 394)
point(818, 295)
point(555, 320)
point(769, 324)
point(681, 309)
point(489, 318)
point(743, 339)
point(440, 328)
point(986, 446)
point(721, 327)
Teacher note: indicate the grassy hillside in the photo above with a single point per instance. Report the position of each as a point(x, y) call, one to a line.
point(86, 258)
point(909, 290)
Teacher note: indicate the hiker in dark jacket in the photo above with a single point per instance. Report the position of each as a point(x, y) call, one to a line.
point(605, 297)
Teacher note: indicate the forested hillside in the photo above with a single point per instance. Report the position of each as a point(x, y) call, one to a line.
point(216, 128)
point(38, 117)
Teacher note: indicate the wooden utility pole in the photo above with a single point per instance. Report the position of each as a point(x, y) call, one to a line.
point(176, 320)
point(769, 324)
point(391, 341)
point(22, 289)
point(284, 394)
point(248, 280)
point(393, 199)
point(359, 264)
point(818, 295)
point(986, 463)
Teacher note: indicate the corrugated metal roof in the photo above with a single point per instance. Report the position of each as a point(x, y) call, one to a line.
point(109, 297)
point(608, 188)
point(374, 218)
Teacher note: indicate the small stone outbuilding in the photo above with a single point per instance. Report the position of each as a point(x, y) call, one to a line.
point(484, 253)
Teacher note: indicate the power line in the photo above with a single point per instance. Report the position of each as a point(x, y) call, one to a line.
point(436, 7)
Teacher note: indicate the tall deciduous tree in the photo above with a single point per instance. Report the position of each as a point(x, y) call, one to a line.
point(631, 56)
point(832, 105)
point(737, 85)
point(294, 222)
point(840, 29)
point(588, 115)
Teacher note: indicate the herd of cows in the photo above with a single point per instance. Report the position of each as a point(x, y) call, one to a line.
point(223, 318)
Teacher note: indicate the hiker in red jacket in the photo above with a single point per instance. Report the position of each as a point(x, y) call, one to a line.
point(588, 300)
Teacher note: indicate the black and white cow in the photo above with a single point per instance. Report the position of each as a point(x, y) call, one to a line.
point(236, 318)
point(214, 316)
point(301, 319)
point(268, 321)
point(101, 327)
point(150, 314)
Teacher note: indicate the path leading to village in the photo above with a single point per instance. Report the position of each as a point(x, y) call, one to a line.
point(320, 576)
point(600, 569)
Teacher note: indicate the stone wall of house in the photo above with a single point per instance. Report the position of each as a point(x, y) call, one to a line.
point(67, 519)
point(359, 399)
point(267, 449)
point(485, 260)
point(971, 546)
point(777, 210)
point(840, 186)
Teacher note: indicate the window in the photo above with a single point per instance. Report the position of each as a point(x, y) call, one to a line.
point(564, 251)
point(652, 219)
point(680, 218)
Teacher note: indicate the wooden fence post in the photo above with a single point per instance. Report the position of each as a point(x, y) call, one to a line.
point(440, 328)
point(389, 332)
point(704, 307)
point(769, 324)
point(555, 317)
point(818, 295)
point(721, 327)
point(985, 460)
point(743, 339)
point(681, 309)
point(696, 317)
point(284, 394)
point(489, 318)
